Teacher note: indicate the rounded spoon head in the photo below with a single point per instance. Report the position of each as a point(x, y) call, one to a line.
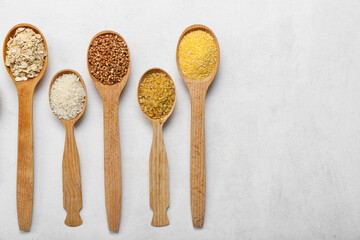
point(150, 71)
point(209, 78)
point(56, 76)
point(7, 38)
point(119, 85)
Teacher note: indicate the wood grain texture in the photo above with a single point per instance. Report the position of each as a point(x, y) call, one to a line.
point(159, 177)
point(112, 161)
point(197, 159)
point(110, 95)
point(158, 164)
point(25, 156)
point(72, 194)
point(25, 167)
point(198, 89)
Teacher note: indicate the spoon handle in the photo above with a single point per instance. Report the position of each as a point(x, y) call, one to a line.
point(72, 197)
point(159, 178)
point(197, 159)
point(112, 163)
point(25, 158)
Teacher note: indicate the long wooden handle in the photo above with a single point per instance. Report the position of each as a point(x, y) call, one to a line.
point(112, 164)
point(159, 178)
point(25, 157)
point(197, 159)
point(72, 197)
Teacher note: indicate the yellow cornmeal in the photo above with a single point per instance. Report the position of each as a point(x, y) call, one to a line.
point(197, 54)
point(156, 95)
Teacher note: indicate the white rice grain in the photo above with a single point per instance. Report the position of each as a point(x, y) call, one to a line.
point(67, 96)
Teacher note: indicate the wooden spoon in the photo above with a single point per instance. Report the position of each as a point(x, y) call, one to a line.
point(198, 89)
point(110, 95)
point(72, 197)
point(25, 156)
point(158, 165)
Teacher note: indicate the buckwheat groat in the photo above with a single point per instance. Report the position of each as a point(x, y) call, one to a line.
point(108, 58)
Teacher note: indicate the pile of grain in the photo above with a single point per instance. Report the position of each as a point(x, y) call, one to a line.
point(25, 54)
point(108, 58)
point(67, 96)
point(197, 54)
point(156, 95)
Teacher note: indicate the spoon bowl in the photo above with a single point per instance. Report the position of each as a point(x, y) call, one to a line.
point(198, 89)
point(116, 87)
point(208, 80)
point(110, 95)
point(25, 154)
point(11, 34)
point(72, 196)
point(56, 76)
point(158, 163)
point(150, 71)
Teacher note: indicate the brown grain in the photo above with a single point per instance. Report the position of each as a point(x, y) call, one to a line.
point(108, 58)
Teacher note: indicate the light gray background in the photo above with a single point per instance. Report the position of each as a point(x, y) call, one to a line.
point(282, 120)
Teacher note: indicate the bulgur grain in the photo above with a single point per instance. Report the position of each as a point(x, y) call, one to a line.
point(156, 95)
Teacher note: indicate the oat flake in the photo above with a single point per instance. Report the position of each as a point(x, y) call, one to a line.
point(25, 54)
